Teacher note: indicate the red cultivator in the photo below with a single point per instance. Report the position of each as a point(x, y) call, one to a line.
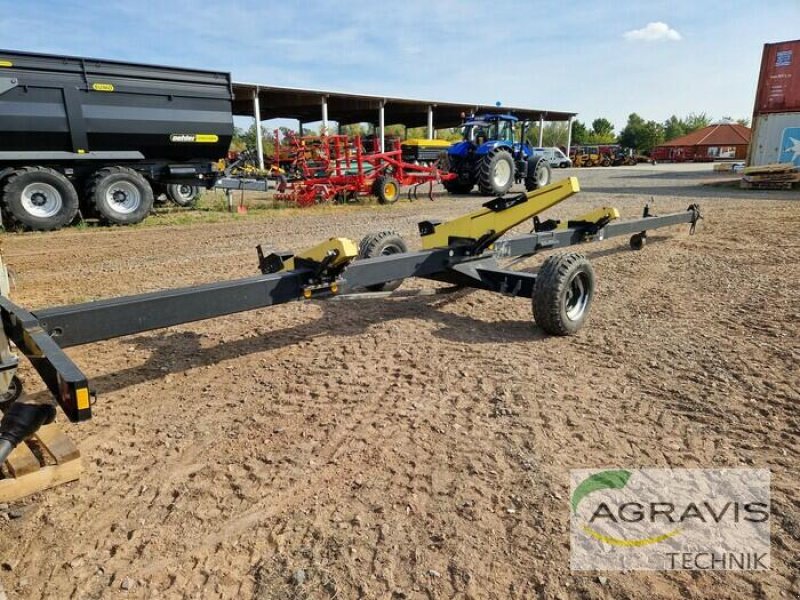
point(335, 168)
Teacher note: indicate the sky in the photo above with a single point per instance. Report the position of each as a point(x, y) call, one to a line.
point(599, 59)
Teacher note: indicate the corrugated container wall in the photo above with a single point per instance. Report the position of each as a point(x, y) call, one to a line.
point(776, 115)
point(776, 139)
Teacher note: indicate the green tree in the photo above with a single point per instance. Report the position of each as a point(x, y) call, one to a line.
point(674, 128)
point(602, 131)
point(640, 134)
point(695, 121)
point(744, 121)
point(354, 129)
point(580, 133)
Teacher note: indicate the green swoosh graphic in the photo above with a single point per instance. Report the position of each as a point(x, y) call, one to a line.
point(615, 480)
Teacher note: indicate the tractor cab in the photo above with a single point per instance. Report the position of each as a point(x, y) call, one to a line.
point(489, 128)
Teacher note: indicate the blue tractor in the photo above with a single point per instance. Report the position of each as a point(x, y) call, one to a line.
point(490, 157)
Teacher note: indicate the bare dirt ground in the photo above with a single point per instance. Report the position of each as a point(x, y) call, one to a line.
point(418, 447)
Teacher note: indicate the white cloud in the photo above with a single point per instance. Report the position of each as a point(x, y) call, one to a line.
point(653, 32)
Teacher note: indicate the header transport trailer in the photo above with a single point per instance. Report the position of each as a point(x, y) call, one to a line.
point(104, 137)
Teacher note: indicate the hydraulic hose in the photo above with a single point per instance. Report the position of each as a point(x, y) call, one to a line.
point(20, 421)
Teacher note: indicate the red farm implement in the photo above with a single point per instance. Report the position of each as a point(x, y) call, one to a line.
point(336, 168)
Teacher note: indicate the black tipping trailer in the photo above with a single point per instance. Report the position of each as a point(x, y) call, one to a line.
point(104, 136)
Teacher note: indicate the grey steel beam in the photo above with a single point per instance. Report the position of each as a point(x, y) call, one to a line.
point(529, 244)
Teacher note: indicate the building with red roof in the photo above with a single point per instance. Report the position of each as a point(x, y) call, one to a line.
point(716, 142)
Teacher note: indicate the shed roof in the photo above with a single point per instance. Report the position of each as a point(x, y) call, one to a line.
point(719, 134)
point(305, 105)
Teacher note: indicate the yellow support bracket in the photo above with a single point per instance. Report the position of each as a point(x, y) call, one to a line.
point(344, 250)
point(496, 217)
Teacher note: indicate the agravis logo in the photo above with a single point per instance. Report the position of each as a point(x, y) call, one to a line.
point(670, 519)
point(612, 480)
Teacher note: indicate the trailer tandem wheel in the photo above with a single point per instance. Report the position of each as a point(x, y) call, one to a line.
point(183, 194)
point(562, 294)
point(120, 195)
point(40, 199)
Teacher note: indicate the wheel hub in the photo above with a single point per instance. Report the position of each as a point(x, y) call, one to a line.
point(502, 173)
point(124, 197)
point(41, 200)
point(577, 297)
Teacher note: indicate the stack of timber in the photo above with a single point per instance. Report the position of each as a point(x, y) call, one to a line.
point(47, 459)
point(779, 176)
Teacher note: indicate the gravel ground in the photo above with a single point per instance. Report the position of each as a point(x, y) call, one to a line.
point(417, 447)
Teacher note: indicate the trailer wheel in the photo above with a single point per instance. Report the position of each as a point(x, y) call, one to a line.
point(40, 199)
point(496, 173)
point(638, 241)
point(183, 194)
point(386, 189)
point(12, 394)
point(538, 174)
point(382, 243)
point(562, 294)
point(120, 195)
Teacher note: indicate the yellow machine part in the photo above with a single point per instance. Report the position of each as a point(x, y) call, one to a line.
point(345, 248)
point(443, 144)
point(485, 221)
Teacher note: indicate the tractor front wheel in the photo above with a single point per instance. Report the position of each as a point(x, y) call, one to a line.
point(496, 173)
point(538, 174)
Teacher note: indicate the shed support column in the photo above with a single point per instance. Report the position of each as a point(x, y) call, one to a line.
point(382, 126)
point(541, 130)
point(569, 135)
point(324, 115)
point(430, 123)
point(259, 141)
point(300, 127)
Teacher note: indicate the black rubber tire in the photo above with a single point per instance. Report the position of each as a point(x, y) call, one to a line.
point(386, 189)
point(382, 243)
point(538, 174)
point(556, 309)
point(638, 241)
point(12, 394)
point(103, 180)
point(465, 181)
point(183, 194)
point(14, 208)
point(458, 186)
point(488, 165)
point(564, 165)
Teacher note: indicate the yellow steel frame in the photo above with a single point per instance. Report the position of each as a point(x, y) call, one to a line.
point(494, 223)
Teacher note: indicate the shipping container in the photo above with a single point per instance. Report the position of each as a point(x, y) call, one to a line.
point(776, 139)
point(779, 81)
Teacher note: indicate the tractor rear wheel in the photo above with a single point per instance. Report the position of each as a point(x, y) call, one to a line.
point(382, 243)
point(538, 174)
point(562, 294)
point(386, 189)
point(496, 172)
